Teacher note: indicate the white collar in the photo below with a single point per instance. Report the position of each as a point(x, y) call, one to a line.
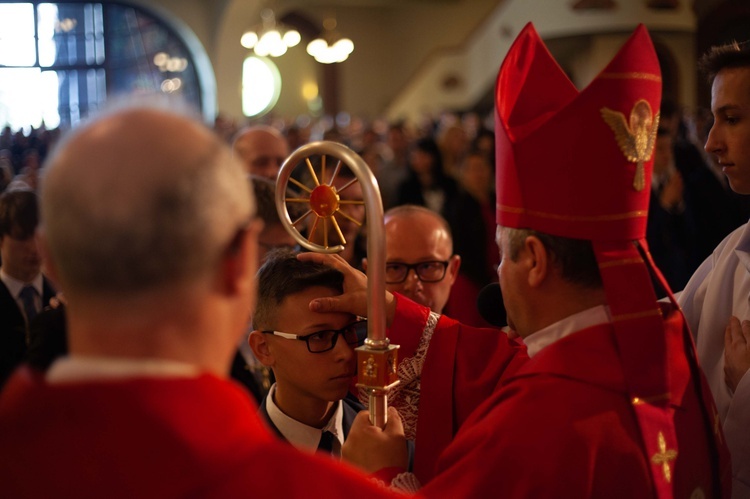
point(300, 435)
point(15, 286)
point(569, 325)
point(77, 368)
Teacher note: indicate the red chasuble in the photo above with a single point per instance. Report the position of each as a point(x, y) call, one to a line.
point(564, 426)
point(446, 373)
point(148, 437)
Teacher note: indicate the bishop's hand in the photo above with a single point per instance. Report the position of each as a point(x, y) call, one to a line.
point(371, 448)
point(354, 298)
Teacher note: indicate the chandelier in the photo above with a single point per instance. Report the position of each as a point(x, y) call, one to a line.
point(270, 38)
point(330, 47)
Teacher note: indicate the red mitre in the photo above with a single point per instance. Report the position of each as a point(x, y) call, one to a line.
point(578, 165)
point(575, 164)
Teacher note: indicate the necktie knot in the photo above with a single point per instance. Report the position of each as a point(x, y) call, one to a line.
point(326, 442)
point(28, 296)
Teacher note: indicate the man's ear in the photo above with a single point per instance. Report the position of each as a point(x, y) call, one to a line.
point(240, 261)
point(258, 343)
point(537, 260)
point(454, 265)
point(364, 265)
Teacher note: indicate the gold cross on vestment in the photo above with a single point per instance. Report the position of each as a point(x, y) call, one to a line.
point(663, 457)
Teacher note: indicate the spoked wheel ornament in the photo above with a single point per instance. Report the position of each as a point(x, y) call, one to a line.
point(323, 204)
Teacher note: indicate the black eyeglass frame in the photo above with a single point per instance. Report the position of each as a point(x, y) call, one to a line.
point(360, 331)
point(416, 267)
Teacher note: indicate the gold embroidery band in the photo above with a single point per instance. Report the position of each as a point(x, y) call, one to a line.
point(649, 400)
point(632, 76)
point(617, 263)
point(575, 218)
point(636, 315)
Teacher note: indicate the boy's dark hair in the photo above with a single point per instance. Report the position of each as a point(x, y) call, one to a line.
point(19, 213)
point(730, 55)
point(281, 275)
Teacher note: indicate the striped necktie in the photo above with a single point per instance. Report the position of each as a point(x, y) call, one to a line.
point(28, 298)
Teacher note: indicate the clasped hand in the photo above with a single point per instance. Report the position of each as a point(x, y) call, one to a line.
point(736, 351)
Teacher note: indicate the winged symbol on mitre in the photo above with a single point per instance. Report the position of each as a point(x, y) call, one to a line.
point(636, 139)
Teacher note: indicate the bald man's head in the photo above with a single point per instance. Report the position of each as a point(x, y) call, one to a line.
point(420, 263)
point(262, 149)
point(138, 199)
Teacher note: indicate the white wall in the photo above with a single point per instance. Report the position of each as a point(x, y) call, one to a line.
point(480, 59)
point(404, 53)
point(390, 45)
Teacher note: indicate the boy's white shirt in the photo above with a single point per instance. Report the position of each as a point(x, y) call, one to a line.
point(302, 436)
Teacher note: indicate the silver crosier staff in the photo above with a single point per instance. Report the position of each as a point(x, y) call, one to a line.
point(377, 358)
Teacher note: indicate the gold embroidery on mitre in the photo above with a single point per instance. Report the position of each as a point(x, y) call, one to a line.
point(631, 76)
point(619, 263)
point(663, 457)
point(636, 138)
point(572, 218)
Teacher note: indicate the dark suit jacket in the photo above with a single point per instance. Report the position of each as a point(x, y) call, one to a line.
point(717, 209)
point(13, 337)
point(671, 240)
point(410, 192)
point(351, 406)
point(48, 339)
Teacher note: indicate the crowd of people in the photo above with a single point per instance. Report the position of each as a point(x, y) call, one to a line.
point(147, 265)
point(447, 165)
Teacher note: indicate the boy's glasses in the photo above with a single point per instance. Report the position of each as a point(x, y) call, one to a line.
point(322, 341)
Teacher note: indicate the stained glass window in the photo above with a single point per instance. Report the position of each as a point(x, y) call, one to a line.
point(59, 61)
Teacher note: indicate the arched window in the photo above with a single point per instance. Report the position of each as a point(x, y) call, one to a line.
point(261, 86)
point(59, 61)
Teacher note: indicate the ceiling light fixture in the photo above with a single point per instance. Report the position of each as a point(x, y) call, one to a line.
point(330, 47)
point(270, 38)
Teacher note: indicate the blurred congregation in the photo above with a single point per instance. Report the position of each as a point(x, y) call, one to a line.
point(448, 165)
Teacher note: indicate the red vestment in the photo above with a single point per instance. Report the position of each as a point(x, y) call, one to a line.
point(153, 437)
point(446, 372)
point(564, 426)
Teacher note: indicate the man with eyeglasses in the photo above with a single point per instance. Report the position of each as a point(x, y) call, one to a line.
point(420, 263)
point(311, 355)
